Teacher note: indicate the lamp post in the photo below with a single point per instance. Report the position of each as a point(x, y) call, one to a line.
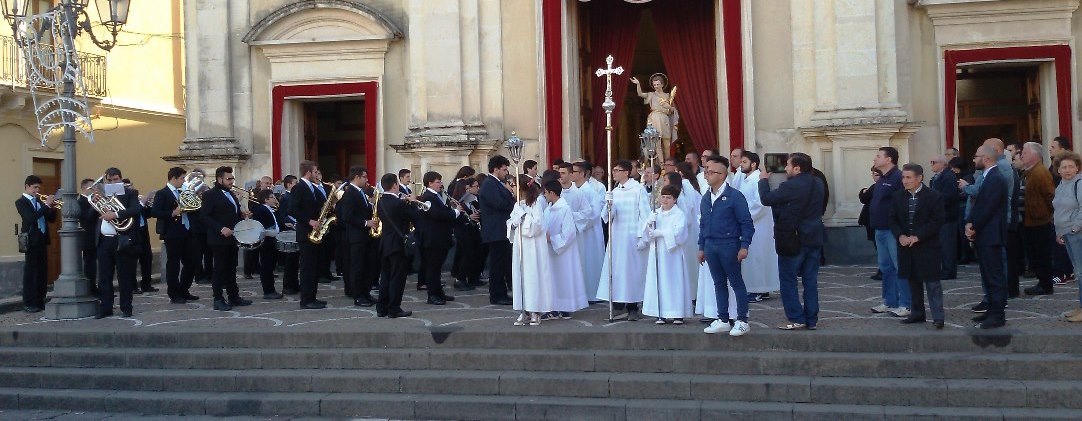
point(68, 19)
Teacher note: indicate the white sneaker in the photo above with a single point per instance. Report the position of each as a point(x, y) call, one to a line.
point(739, 329)
point(719, 326)
point(882, 308)
point(899, 312)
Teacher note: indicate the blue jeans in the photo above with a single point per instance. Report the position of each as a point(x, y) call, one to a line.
point(721, 258)
point(1074, 249)
point(806, 263)
point(895, 290)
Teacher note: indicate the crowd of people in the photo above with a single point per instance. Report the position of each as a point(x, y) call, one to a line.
point(698, 238)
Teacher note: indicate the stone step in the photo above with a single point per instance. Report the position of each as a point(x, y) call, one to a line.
point(944, 365)
point(628, 338)
point(1051, 394)
point(427, 406)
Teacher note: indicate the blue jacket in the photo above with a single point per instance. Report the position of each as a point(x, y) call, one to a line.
point(987, 216)
point(879, 208)
point(726, 219)
point(946, 184)
point(798, 202)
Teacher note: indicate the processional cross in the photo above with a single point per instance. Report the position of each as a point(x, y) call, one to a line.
point(609, 106)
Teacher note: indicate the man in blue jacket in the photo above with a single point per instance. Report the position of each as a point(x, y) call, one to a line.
point(986, 227)
point(725, 234)
point(896, 296)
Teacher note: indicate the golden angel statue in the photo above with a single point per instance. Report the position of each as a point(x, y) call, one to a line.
point(663, 114)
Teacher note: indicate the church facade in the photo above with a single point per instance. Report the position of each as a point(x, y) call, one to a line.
point(437, 84)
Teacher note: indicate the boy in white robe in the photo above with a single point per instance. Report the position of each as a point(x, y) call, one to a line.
point(629, 206)
point(533, 289)
point(591, 236)
point(760, 269)
point(565, 262)
point(668, 284)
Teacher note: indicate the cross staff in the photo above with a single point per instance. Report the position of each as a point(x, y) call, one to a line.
point(609, 106)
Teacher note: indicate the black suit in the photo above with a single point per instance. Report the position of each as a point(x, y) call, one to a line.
point(988, 217)
point(919, 263)
point(88, 220)
point(496, 206)
point(437, 227)
point(360, 270)
point(946, 184)
point(268, 250)
point(112, 261)
point(304, 207)
point(219, 212)
point(180, 246)
point(35, 264)
point(146, 255)
point(290, 266)
point(469, 254)
point(396, 215)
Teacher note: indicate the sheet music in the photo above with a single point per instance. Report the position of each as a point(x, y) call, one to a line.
point(114, 189)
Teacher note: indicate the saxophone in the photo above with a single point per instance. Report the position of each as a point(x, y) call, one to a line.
point(326, 216)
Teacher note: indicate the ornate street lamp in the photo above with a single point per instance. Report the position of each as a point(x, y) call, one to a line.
point(65, 21)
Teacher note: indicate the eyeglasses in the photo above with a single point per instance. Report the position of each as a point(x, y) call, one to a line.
point(620, 170)
point(708, 172)
point(231, 178)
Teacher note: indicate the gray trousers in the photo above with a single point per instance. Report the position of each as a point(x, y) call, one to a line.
point(935, 298)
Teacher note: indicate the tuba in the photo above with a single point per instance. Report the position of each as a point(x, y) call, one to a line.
point(105, 205)
point(189, 197)
point(326, 216)
point(377, 230)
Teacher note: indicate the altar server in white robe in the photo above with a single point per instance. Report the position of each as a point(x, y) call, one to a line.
point(534, 289)
point(565, 262)
point(629, 205)
point(586, 207)
point(689, 203)
point(760, 269)
point(706, 302)
point(668, 282)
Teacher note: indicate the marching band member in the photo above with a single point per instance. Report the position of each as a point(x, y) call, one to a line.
point(290, 268)
point(354, 212)
point(668, 296)
point(220, 213)
point(174, 229)
point(437, 224)
point(396, 214)
point(88, 221)
point(565, 261)
point(530, 258)
point(307, 201)
point(117, 251)
point(627, 203)
point(469, 256)
point(146, 255)
point(35, 216)
point(268, 249)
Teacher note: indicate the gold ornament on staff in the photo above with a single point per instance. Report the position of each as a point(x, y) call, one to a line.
point(609, 106)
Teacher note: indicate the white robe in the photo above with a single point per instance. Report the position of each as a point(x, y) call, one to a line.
point(735, 180)
point(533, 286)
point(668, 281)
point(565, 262)
point(760, 269)
point(586, 207)
point(689, 202)
point(630, 208)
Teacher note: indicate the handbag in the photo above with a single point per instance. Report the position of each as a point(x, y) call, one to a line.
point(409, 242)
point(24, 242)
point(125, 244)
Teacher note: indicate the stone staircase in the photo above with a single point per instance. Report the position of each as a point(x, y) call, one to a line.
point(544, 373)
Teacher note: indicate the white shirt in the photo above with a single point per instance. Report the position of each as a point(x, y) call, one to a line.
point(714, 195)
point(274, 218)
point(440, 195)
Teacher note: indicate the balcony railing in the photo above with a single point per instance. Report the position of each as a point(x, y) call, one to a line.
point(13, 69)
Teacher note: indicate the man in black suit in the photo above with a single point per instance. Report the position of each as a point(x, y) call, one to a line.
point(204, 267)
point(497, 201)
point(118, 251)
point(396, 215)
point(35, 217)
point(916, 219)
point(307, 201)
point(268, 250)
point(437, 225)
point(220, 212)
point(88, 243)
point(986, 227)
point(945, 182)
point(290, 267)
point(174, 229)
point(354, 212)
point(145, 258)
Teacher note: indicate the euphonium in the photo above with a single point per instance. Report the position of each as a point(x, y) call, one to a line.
point(106, 205)
point(57, 204)
point(377, 226)
point(326, 217)
point(189, 198)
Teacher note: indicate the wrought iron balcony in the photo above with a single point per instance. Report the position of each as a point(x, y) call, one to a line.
point(13, 69)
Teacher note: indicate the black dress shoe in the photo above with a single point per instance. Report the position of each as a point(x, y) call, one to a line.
point(992, 324)
point(911, 320)
point(504, 301)
point(248, 276)
point(33, 309)
point(436, 301)
point(447, 297)
point(363, 302)
point(402, 313)
point(333, 278)
point(422, 287)
point(381, 314)
point(981, 318)
point(239, 302)
point(312, 306)
point(462, 286)
point(478, 283)
point(273, 296)
point(938, 325)
point(221, 305)
point(191, 297)
point(981, 307)
point(290, 291)
point(1038, 290)
point(126, 314)
point(321, 302)
point(102, 315)
point(150, 289)
point(137, 291)
point(178, 301)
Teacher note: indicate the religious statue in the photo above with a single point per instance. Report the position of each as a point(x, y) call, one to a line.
point(663, 114)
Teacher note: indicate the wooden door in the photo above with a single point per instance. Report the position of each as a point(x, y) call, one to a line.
point(49, 171)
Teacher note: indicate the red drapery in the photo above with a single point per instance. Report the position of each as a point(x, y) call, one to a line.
point(614, 28)
point(686, 32)
point(554, 84)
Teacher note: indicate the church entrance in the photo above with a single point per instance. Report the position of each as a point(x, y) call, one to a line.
point(1002, 100)
point(334, 135)
point(334, 125)
point(674, 39)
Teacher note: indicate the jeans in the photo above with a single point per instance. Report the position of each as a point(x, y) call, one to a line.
point(807, 264)
point(1074, 249)
point(949, 247)
point(725, 269)
point(895, 290)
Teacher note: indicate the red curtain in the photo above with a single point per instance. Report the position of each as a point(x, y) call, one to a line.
point(614, 28)
point(686, 32)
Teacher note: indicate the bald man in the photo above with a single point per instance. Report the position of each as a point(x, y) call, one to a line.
point(986, 227)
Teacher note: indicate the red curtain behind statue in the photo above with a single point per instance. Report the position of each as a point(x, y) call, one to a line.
point(614, 26)
point(686, 33)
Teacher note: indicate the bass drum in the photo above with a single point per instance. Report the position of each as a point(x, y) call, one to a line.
point(248, 233)
point(287, 242)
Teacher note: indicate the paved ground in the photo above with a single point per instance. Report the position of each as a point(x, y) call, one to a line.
point(846, 294)
point(43, 415)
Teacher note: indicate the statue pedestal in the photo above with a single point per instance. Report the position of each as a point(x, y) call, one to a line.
point(844, 153)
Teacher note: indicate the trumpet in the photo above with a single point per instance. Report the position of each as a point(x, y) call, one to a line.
point(57, 204)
